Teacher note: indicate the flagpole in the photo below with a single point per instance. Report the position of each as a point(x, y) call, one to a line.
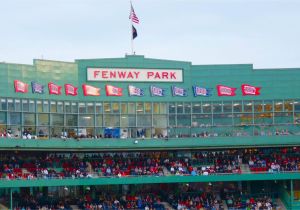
point(131, 26)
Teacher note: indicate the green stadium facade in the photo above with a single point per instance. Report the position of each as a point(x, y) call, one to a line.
point(237, 106)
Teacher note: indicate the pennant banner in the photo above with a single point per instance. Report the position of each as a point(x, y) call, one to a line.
point(250, 90)
point(201, 91)
point(156, 91)
point(225, 90)
point(54, 89)
point(20, 86)
point(177, 91)
point(37, 88)
point(71, 90)
point(113, 91)
point(89, 90)
point(135, 91)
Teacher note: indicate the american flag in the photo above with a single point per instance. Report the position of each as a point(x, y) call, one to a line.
point(133, 16)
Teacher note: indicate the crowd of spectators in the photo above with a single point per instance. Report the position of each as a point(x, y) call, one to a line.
point(92, 165)
point(198, 200)
point(235, 200)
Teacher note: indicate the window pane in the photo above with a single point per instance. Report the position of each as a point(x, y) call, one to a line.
point(14, 118)
point(68, 107)
point(74, 107)
point(187, 108)
point(184, 120)
point(39, 106)
point(172, 120)
point(288, 105)
point(28, 119)
point(217, 107)
point(179, 108)
point(265, 118)
point(222, 119)
point(243, 119)
point(144, 120)
point(98, 108)
point(248, 106)
point(128, 121)
point(201, 120)
point(268, 106)
point(140, 108)
point(196, 108)
point(18, 104)
point(60, 107)
point(53, 106)
point(3, 104)
point(237, 106)
point(156, 108)
point(45, 106)
point(86, 120)
point(82, 108)
point(172, 108)
point(283, 117)
point(107, 108)
point(32, 106)
point(10, 105)
point(71, 120)
point(131, 108)
point(227, 106)
point(25, 105)
point(111, 120)
point(43, 119)
point(115, 108)
point(148, 107)
point(206, 106)
point(258, 106)
point(57, 119)
point(99, 120)
point(2, 117)
point(160, 121)
point(163, 108)
point(124, 108)
point(278, 106)
point(90, 108)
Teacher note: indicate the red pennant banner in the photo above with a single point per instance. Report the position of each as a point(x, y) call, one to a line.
point(71, 90)
point(89, 90)
point(250, 90)
point(54, 89)
point(225, 90)
point(20, 86)
point(113, 91)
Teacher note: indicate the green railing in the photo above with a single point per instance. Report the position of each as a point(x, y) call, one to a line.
point(146, 144)
point(4, 183)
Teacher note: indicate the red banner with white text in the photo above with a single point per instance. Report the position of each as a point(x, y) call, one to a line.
point(225, 90)
point(250, 90)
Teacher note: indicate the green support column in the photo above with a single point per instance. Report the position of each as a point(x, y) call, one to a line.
point(292, 193)
point(11, 199)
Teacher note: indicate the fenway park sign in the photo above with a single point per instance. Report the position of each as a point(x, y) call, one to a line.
point(134, 75)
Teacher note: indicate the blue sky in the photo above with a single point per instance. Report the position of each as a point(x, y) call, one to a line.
point(263, 32)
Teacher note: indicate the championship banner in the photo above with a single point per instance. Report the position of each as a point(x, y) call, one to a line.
point(20, 86)
point(156, 91)
point(89, 90)
point(177, 91)
point(54, 89)
point(135, 91)
point(37, 88)
point(113, 91)
point(250, 90)
point(225, 90)
point(201, 91)
point(71, 90)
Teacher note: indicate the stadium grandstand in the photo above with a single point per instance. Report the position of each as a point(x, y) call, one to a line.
point(140, 133)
